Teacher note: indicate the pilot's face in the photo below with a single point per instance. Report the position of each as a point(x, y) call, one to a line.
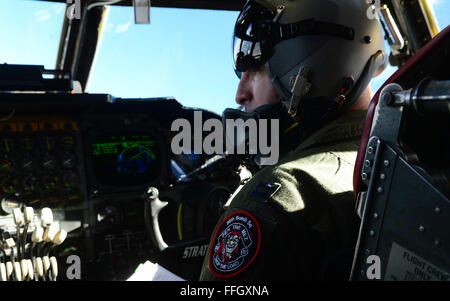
point(255, 89)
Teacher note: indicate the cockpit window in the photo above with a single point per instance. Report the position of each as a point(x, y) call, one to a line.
point(30, 32)
point(441, 10)
point(184, 53)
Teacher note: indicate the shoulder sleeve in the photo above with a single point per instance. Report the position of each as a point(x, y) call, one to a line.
point(250, 231)
point(271, 250)
point(301, 224)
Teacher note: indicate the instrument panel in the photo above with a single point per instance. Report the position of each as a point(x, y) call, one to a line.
point(90, 159)
point(39, 163)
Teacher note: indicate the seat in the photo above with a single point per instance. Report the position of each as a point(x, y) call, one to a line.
point(401, 177)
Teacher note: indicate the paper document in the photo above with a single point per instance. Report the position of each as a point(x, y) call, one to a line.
point(150, 271)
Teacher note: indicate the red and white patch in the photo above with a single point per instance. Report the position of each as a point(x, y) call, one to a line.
point(235, 245)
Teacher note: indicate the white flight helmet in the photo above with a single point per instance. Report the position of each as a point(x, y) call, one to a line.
point(317, 53)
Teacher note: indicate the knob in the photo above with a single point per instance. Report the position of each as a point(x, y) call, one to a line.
point(49, 162)
point(68, 160)
point(6, 164)
point(151, 194)
point(27, 163)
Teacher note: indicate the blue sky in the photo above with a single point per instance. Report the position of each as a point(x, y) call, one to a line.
point(183, 53)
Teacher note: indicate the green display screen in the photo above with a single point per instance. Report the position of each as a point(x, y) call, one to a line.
point(126, 160)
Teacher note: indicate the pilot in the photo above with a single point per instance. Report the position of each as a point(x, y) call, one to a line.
point(307, 63)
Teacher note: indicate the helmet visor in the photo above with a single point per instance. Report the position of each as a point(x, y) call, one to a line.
point(250, 43)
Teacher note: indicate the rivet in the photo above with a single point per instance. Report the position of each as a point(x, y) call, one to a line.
point(367, 163)
point(386, 163)
point(364, 176)
point(437, 210)
point(370, 149)
point(375, 215)
point(372, 233)
point(382, 176)
point(380, 189)
point(421, 228)
point(437, 243)
point(367, 251)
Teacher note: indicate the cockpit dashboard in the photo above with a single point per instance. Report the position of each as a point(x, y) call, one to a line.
point(90, 158)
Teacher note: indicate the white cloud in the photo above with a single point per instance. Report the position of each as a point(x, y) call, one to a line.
point(122, 28)
point(42, 15)
point(57, 8)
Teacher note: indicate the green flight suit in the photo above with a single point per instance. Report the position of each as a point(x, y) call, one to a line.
point(301, 214)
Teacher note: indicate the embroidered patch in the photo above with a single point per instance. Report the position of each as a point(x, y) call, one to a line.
point(235, 245)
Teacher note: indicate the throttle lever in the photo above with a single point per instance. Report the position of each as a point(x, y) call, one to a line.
point(156, 205)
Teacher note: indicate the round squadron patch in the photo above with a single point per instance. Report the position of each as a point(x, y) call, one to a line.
point(235, 245)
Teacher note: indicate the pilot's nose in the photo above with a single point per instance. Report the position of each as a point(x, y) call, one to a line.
point(244, 94)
